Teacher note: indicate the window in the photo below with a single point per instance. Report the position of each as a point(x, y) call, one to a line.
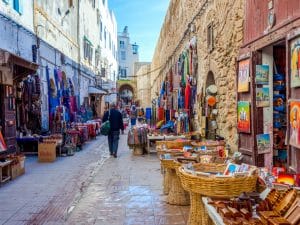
point(210, 37)
point(97, 56)
point(6, 1)
point(109, 41)
point(123, 55)
point(135, 49)
point(122, 44)
point(94, 3)
point(104, 37)
point(71, 4)
point(98, 16)
point(18, 6)
point(123, 72)
point(101, 29)
point(88, 50)
point(103, 1)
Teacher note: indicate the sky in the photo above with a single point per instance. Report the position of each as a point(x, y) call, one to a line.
point(144, 19)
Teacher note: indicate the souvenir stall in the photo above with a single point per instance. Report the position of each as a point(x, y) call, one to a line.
point(19, 110)
point(137, 139)
point(178, 91)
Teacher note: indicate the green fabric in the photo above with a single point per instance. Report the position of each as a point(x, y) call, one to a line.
point(105, 128)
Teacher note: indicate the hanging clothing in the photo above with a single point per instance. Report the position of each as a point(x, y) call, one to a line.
point(187, 96)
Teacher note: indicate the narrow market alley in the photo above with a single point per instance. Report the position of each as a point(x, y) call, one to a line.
point(90, 188)
point(127, 191)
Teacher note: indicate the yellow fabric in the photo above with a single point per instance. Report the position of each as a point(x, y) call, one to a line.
point(159, 123)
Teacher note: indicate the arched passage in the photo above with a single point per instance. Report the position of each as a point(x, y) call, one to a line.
point(126, 93)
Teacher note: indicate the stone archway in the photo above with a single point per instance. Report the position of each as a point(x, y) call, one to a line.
point(126, 93)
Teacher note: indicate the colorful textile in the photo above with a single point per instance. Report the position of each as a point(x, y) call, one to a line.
point(187, 96)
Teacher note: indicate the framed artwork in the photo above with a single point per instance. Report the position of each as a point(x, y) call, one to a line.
point(244, 117)
point(263, 143)
point(262, 97)
point(262, 74)
point(295, 62)
point(295, 123)
point(243, 76)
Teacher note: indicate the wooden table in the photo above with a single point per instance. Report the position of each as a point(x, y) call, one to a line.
point(161, 138)
point(153, 138)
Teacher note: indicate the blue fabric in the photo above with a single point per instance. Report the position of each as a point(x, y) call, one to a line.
point(148, 113)
point(113, 142)
point(133, 121)
point(167, 115)
point(169, 125)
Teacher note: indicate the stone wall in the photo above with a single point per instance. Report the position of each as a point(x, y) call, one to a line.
point(226, 16)
point(143, 85)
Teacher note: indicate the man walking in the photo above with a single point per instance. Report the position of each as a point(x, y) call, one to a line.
point(116, 124)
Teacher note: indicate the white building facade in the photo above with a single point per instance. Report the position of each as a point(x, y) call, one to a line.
point(128, 56)
point(109, 50)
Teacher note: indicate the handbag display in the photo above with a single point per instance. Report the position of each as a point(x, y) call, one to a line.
point(105, 127)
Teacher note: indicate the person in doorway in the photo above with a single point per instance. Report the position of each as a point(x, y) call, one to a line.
point(116, 124)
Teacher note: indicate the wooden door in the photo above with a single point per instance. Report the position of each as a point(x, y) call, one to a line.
point(8, 115)
point(247, 140)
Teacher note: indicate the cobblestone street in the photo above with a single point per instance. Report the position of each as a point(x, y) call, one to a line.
point(127, 191)
point(45, 192)
point(90, 188)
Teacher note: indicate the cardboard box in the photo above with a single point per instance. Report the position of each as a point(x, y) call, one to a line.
point(47, 152)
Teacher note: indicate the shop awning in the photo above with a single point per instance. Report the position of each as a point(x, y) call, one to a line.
point(97, 90)
point(22, 67)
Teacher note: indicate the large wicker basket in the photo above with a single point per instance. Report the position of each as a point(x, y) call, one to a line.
point(199, 186)
point(172, 185)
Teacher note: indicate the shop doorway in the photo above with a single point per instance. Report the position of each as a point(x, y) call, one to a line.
point(210, 106)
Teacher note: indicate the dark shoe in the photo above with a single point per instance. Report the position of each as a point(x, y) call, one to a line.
point(115, 155)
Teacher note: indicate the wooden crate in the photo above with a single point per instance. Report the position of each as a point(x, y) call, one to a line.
point(47, 152)
point(14, 171)
point(22, 166)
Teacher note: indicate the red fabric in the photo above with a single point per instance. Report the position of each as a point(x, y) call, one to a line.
point(187, 96)
point(160, 114)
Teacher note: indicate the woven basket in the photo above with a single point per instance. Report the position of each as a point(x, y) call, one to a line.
point(166, 181)
point(216, 186)
point(177, 195)
point(172, 185)
point(199, 186)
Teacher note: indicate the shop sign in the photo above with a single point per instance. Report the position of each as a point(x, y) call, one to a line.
point(263, 143)
point(295, 62)
point(262, 97)
point(243, 76)
point(295, 123)
point(244, 117)
point(262, 74)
